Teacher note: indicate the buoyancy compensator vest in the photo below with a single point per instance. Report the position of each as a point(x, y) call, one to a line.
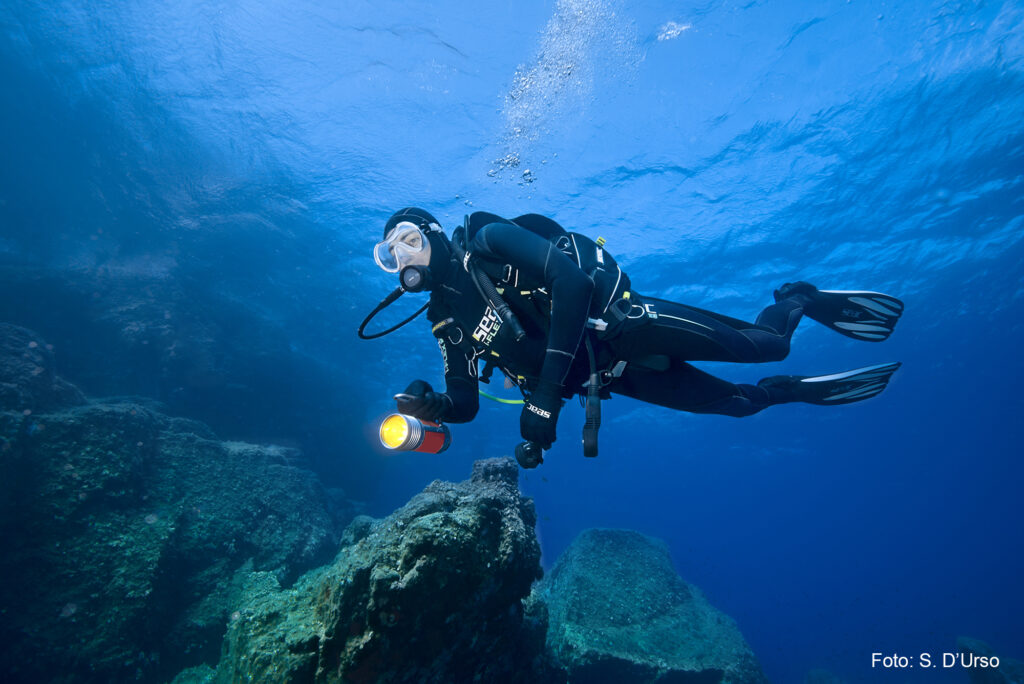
point(610, 282)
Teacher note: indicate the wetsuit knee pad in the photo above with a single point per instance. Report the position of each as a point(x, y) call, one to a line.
point(769, 347)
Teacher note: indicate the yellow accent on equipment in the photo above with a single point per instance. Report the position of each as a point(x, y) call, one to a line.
point(485, 395)
point(408, 433)
point(600, 241)
point(394, 431)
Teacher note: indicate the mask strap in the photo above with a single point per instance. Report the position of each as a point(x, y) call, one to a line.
point(386, 302)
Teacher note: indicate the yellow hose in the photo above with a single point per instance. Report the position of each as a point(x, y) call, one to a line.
point(499, 399)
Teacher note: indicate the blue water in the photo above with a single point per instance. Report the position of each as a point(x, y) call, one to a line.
point(247, 153)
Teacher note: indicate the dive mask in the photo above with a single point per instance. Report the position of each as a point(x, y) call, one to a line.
point(405, 245)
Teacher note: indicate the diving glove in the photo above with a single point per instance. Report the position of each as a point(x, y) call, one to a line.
point(421, 401)
point(540, 414)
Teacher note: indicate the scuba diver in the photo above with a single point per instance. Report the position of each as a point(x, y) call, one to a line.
point(554, 312)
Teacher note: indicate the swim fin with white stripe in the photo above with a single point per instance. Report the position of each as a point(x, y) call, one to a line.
point(828, 390)
point(860, 314)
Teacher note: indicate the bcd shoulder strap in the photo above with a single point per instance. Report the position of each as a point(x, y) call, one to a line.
point(610, 282)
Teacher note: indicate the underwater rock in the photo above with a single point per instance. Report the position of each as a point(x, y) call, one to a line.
point(177, 337)
point(127, 536)
point(1010, 671)
point(432, 593)
point(28, 379)
point(618, 612)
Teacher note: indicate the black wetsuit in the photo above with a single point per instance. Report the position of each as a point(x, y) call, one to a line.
point(554, 284)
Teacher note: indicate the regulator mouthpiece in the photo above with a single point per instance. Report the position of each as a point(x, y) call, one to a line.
point(400, 432)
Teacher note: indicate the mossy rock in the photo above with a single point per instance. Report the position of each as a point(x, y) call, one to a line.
point(619, 612)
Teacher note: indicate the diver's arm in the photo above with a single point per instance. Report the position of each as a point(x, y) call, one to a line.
point(460, 377)
point(569, 287)
point(465, 401)
point(459, 402)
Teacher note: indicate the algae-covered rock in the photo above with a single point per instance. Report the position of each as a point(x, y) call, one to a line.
point(1009, 671)
point(28, 377)
point(169, 331)
point(432, 593)
point(128, 535)
point(618, 612)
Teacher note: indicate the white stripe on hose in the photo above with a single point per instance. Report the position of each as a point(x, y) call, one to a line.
point(614, 290)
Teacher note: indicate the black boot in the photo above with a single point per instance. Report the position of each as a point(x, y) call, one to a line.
point(801, 291)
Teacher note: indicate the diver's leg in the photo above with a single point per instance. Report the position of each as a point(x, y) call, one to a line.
point(686, 332)
point(685, 388)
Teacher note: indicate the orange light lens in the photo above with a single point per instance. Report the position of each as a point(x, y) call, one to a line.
point(394, 431)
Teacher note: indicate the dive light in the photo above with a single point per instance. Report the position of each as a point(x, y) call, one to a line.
point(400, 432)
